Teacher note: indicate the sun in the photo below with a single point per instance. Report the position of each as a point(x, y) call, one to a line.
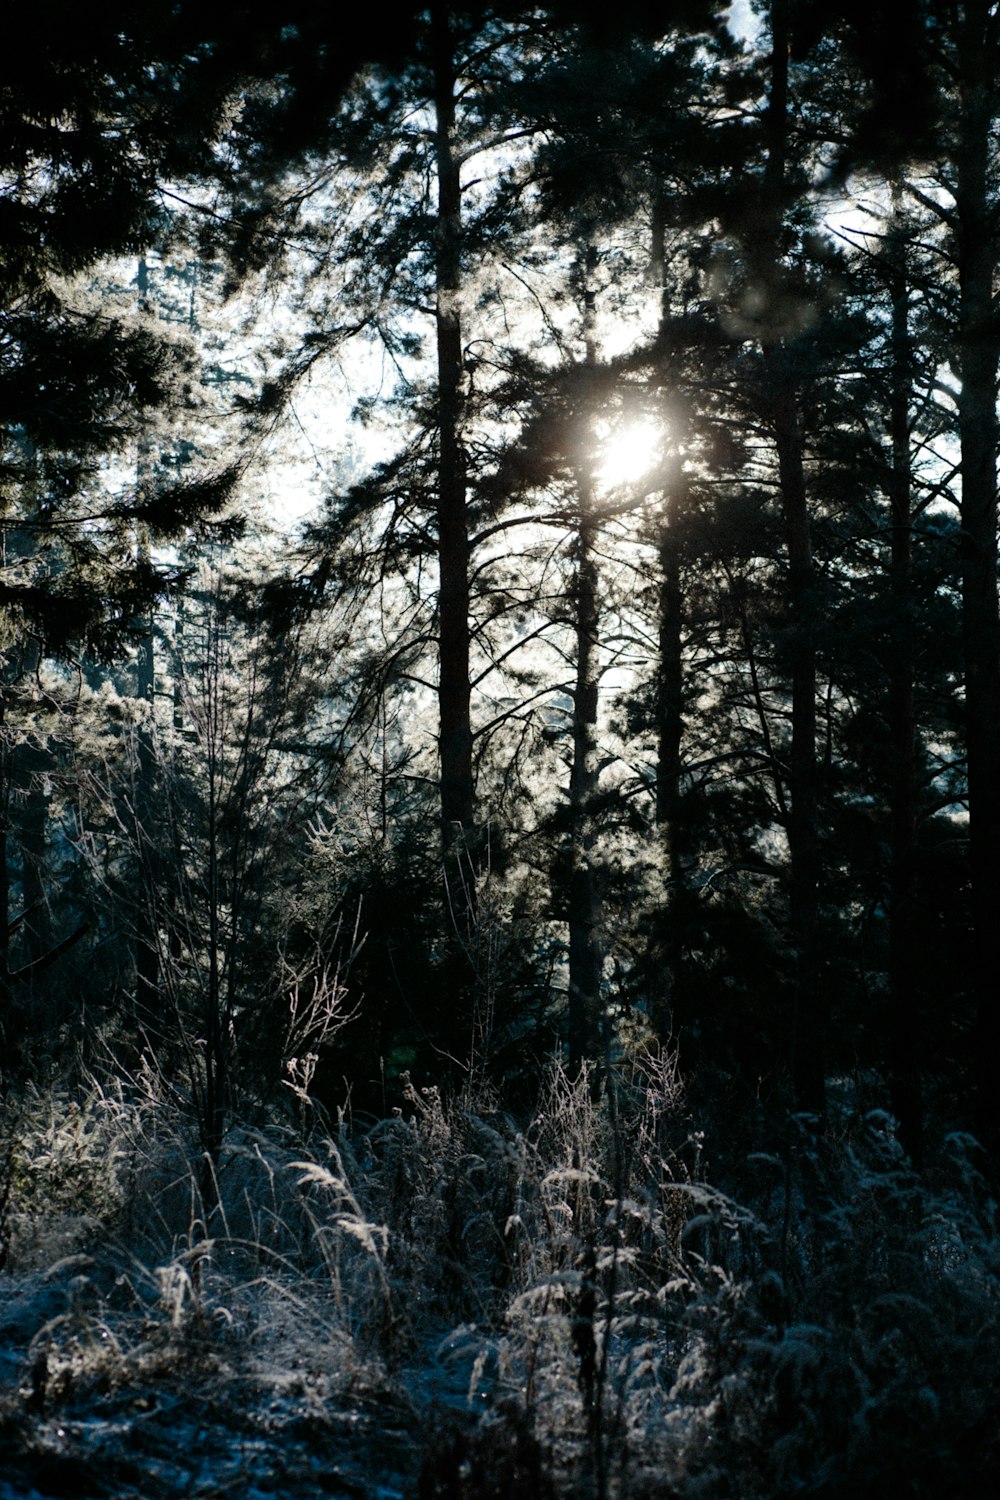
point(627, 451)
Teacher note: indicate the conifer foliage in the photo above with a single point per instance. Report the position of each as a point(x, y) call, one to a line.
point(499, 781)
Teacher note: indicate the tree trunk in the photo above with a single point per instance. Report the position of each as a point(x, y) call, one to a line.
point(670, 681)
point(213, 1122)
point(147, 967)
point(586, 958)
point(29, 762)
point(803, 833)
point(979, 357)
point(670, 733)
point(454, 694)
point(903, 1011)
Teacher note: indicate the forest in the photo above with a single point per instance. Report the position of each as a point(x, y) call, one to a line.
point(499, 750)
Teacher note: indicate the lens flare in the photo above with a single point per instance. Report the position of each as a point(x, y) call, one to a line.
point(627, 452)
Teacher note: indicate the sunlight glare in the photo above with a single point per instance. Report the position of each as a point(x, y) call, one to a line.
point(628, 452)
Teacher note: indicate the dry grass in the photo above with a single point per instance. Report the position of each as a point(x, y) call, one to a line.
point(595, 1317)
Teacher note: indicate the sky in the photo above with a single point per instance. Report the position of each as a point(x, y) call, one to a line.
point(742, 21)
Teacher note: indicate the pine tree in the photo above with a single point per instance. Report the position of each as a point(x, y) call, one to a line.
point(929, 123)
point(96, 109)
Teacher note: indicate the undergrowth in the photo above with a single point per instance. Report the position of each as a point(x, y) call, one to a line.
point(566, 1304)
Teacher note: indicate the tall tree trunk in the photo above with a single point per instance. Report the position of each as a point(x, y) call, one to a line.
point(23, 818)
point(803, 833)
point(670, 679)
point(454, 694)
point(903, 1016)
point(147, 968)
point(669, 734)
point(30, 761)
point(586, 958)
point(213, 1122)
point(979, 357)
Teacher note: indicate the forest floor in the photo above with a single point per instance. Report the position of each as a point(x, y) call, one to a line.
point(451, 1304)
point(198, 1410)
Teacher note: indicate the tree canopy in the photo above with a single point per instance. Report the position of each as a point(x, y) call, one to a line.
point(499, 562)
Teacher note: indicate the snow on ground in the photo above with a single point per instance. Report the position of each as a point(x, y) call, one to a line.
point(199, 1410)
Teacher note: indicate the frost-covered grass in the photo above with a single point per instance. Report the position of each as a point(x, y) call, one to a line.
point(452, 1302)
